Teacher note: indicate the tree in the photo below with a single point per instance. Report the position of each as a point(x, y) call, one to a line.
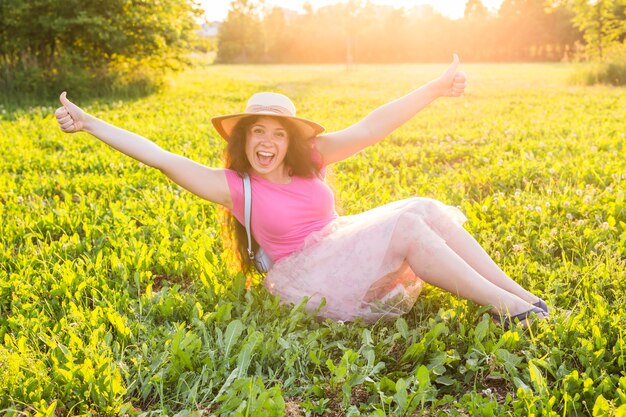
point(45, 43)
point(475, 9)
point(602, 23)
point(240, 38)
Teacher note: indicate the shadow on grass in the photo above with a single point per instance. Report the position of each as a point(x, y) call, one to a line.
point(14, 105)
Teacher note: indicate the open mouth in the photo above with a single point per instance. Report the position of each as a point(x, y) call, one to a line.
point(265, 158)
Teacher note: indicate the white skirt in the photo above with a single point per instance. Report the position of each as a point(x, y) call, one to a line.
point(350, 266)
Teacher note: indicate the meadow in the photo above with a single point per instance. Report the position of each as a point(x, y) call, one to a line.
point(116, 296)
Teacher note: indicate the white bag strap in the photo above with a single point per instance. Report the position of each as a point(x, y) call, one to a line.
point(247, 205)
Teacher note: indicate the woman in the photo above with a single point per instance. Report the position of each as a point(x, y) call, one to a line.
point(369, 265)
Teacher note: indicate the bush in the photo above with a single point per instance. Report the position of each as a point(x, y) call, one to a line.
point(612, 70)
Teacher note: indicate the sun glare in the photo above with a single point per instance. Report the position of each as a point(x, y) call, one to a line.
point(453, 9)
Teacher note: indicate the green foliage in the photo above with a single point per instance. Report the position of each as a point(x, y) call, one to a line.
point(363, 32)
point(115, 298)
point(240, 35)
point(602, 24)
point(611, 71)
point(95, 46)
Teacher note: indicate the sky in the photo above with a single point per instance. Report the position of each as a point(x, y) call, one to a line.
point(453, 9)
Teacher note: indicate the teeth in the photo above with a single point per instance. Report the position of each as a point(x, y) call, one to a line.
point(265, 153)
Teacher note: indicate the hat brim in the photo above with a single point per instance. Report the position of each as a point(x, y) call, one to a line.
point(225, 124)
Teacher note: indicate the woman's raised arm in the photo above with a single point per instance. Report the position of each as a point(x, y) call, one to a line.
point(377, 125)
point(205, 182)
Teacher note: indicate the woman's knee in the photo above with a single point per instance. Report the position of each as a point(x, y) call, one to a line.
point(424, 206)
point(411, 230)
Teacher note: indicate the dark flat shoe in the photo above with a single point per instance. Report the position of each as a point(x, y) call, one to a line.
point(542, 305)
point(507, 321)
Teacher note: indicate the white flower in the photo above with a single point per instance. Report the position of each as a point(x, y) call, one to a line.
point(566, 204)
point(552, 170)
point(569, 216)
point(579, 192)
point(587, 199)
point(609, 189)
point(518, 248)
point(594, 149)
point(538, 209)
point(605, 226)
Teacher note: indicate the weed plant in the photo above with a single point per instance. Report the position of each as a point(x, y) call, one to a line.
point(115, 297)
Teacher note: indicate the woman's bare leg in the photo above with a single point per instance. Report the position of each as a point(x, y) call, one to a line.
point(470, 250)
point(436, 263)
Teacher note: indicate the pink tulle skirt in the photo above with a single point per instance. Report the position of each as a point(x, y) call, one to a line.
point(348, 270)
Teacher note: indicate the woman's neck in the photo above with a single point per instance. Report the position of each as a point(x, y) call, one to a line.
point(277, 176)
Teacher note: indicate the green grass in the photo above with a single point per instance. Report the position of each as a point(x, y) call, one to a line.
point(114, 296)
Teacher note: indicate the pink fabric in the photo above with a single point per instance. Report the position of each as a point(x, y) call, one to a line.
point(283, 215)
point(350, 265)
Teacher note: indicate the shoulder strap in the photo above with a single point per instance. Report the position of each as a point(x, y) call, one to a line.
point(247, 204)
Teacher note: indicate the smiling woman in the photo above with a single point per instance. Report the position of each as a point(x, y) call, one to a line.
point(370, 265)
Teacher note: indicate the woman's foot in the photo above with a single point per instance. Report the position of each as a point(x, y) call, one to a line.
point(542, 305)
point(522, 318)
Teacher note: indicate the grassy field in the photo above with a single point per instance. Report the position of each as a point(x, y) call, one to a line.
point(115, 297)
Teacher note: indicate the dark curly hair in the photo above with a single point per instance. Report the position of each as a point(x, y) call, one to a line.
point(298, 160)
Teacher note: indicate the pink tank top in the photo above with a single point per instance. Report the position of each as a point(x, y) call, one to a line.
point(283, 215)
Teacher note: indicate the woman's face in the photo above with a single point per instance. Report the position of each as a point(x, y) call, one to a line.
point(267, 142)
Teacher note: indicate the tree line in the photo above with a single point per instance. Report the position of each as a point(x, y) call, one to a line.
point(81, 45)
point(359, 31)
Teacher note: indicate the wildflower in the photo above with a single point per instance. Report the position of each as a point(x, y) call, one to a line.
point(485, 208)
point(518, 193)
point(605, 226)
point(500, 163)
point(579, 192)
point(509, 238)
point(538, 209)
point(569, 216)
point(587, 199)
point(609, 189)
point(566, 204)
point(552, 170)
point(518, 248)
point(580, 222)
point(594, 149)
point(553, 232)
point(548, 204)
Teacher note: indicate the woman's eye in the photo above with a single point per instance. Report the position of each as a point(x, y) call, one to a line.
point(257, 131)
point(280, 134)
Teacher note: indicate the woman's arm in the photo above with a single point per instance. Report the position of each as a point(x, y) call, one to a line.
point(381, 122)
point(205, 182)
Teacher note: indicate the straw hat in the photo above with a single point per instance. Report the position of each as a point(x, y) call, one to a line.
point(267, 104)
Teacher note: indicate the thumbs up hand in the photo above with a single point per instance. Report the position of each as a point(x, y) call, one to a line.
point(452, 82)
point(70, 117)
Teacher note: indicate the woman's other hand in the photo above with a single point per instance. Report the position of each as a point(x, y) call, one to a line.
point(70, 117)
point(452, 82)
